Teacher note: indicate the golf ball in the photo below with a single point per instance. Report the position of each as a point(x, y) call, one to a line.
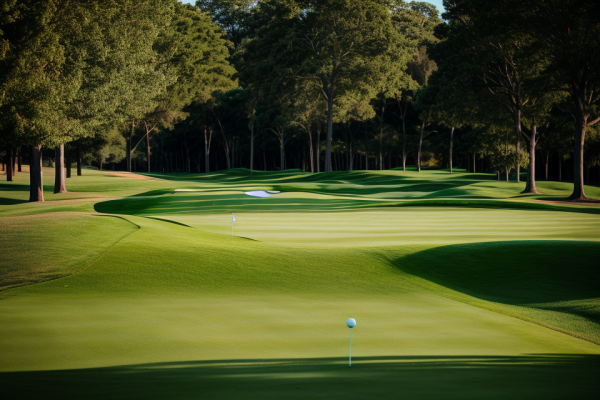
point(351, 322)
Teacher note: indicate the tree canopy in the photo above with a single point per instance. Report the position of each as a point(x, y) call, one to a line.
point(320, 85)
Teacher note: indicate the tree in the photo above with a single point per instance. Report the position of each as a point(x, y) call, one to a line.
point(351, 112)
point(568, 31)
point(38, 83)
point(341, 45)
point(416, 22)
point(231, 15)
point(307, 114)
point(198, 55)
point(278, 118)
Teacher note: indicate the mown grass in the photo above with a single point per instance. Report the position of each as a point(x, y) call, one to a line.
point(182, 310)
point(554, 283)
point(420, 377)
point(50, 246)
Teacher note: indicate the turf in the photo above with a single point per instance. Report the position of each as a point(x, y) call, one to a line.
point(76, 241)
point(450, 302)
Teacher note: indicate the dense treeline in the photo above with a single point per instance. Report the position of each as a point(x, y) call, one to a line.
point(321, 85)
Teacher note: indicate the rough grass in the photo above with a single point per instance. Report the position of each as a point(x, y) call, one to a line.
point(185, 312)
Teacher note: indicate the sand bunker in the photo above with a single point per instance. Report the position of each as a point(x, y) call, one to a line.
point(258, 193)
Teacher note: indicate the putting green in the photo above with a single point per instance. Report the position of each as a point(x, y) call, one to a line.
point(450, 302)
point(396, 226)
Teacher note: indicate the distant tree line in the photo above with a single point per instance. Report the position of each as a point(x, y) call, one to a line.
point(321, 85)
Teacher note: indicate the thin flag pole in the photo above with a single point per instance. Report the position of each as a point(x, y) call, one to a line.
point(350, 359)
point(351, 323)
point(232, 221)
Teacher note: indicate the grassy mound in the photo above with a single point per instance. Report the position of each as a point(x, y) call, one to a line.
point(556, 284)
point(49, 246)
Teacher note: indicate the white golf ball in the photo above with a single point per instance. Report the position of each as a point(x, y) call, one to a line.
point(351, 322)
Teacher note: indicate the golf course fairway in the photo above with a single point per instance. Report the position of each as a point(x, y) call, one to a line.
point(137, 288)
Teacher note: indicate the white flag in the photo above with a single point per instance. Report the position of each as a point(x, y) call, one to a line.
point(232, 218)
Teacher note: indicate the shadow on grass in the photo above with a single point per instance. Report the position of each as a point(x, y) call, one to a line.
point(360, 177)
point(552, 283)
point(194, 203)
point(553, 376)
point(6, 188)
point(514, 272)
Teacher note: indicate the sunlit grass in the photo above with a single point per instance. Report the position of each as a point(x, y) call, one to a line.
point(435, 288)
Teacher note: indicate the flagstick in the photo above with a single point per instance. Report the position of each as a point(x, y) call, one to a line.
point(350, 323)
point(350, 359)
point(232, 230)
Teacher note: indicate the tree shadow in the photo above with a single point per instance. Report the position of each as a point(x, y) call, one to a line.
point(515, 272)
point(545, 376)
point(12, 188)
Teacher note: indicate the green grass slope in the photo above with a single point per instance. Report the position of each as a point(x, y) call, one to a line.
point(180, 310)
point(553, 283)
point(49, 246)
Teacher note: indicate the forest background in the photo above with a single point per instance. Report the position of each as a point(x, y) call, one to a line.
point(165, 87)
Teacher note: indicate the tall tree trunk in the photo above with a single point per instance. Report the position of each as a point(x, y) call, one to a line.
point(328, 166)
point(36, 183)
point(451, 145)
point(78, 161)
point(420, 146)
point(518, 163)
point(546, 165)
point(310, 151)
point(366, 147)
point(318, 146)
point(9, 164)
point(474, 162)
point(20, 160)
point(161, 168)
point(350, 157)
point(60, 185)
point(226, 148)
point(148, 148)
point(404, 143)
point(233, 154)
point(128, 145)
point(559, 167)
point(14, 162)
point(187, 157)
point(282, 153)
point(530, 186)
point(381, 140)
point(207, 140)
point(336, 161)
point(252, 148)
point(580, 95)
